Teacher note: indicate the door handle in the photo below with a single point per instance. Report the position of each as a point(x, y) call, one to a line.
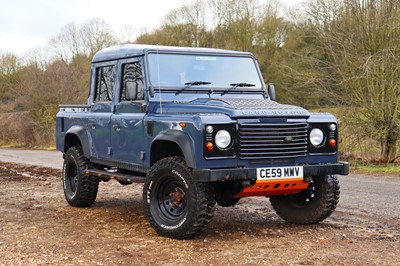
point(117, 127)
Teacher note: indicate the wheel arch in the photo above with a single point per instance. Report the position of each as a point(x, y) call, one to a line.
point(77, 136)
point(173, 143)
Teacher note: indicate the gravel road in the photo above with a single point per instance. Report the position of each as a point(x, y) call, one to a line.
point(372, 199)
point(361, 195)
point(37, 227)
point(51, 159)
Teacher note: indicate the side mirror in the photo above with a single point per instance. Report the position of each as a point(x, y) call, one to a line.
point(130, 90)
point(271, 91)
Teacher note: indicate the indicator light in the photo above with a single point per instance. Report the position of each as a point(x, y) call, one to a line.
point(209, 146)
point(332, 142)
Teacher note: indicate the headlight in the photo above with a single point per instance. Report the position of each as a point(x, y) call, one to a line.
point(316, 137)
point(223, 139)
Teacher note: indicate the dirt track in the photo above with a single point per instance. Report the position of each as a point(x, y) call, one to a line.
point(38, 227)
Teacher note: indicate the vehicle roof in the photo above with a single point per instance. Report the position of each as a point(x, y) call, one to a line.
point(131, 50)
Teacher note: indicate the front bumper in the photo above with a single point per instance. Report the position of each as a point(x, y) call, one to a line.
point(208, 175)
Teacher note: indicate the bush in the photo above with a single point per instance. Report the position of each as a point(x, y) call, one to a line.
point(17, 129)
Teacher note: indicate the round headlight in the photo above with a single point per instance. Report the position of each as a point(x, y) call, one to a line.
point(223, 139)
point(316, 137)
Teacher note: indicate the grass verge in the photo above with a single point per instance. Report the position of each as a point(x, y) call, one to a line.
point(392, 170)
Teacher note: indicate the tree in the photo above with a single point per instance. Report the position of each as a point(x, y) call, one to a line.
point(96, 34)
point(271, 33)
point(194, 18)
point(86, 39)
point(9, 75)
point(254, 26)
point(40, 91)
point(184, 26)
point(68, 43)
point(235, 22)
point(354, 60)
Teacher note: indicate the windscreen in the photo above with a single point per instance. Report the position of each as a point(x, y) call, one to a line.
point(177, 71)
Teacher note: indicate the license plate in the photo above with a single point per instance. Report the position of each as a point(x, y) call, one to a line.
point(273, 173)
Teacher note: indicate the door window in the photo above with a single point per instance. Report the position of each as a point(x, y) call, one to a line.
point(132, 87)
point(104, 83)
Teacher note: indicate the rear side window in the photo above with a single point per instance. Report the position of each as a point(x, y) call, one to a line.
point(104, 83)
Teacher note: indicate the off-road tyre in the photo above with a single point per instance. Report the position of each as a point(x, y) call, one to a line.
point(175, 205)
point(311, 205)
point(225, 193)
point(80, 190)
point(225, 202)
point(124, 183)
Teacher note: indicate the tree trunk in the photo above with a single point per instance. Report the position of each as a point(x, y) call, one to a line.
point(389, 146)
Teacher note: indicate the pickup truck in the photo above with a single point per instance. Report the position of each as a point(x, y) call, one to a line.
point(198, 127)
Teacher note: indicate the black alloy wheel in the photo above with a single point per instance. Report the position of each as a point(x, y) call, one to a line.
point(175, 205)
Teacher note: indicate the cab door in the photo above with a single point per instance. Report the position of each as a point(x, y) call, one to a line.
point(127, 129)
point(99, 124)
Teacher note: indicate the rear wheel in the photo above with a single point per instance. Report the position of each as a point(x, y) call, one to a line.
point(311, 205)
point(80, 190)
point(175, 205)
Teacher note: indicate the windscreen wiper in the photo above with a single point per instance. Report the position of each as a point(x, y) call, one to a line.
point(193, 83)
point(236, 85)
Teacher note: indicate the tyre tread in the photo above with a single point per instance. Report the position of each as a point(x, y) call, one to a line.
point(204, 194)
point(324, 208)
point(87, 192)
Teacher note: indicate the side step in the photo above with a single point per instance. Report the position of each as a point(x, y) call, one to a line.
point(116, 176)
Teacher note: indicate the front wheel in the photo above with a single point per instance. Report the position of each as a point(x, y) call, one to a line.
point(312, 205)
point(176, 205)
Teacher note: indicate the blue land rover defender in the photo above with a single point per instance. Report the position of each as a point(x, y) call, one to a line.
point(198, 127)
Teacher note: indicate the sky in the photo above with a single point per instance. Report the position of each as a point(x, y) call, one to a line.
point(27, 24)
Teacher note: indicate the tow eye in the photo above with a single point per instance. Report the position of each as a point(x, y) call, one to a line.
point(177, 197)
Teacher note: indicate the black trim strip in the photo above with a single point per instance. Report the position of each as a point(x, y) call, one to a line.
point(123, 165)
point(207, 175)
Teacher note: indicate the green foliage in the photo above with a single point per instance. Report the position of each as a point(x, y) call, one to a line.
point(37, 94)
point(9, 75)
point(341, 53)
point(355, 58)
point(378, 169)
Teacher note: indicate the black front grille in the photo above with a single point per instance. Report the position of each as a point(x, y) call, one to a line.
point(272, 141)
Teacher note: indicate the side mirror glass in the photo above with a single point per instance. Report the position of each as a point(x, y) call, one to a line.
point(271, 91)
